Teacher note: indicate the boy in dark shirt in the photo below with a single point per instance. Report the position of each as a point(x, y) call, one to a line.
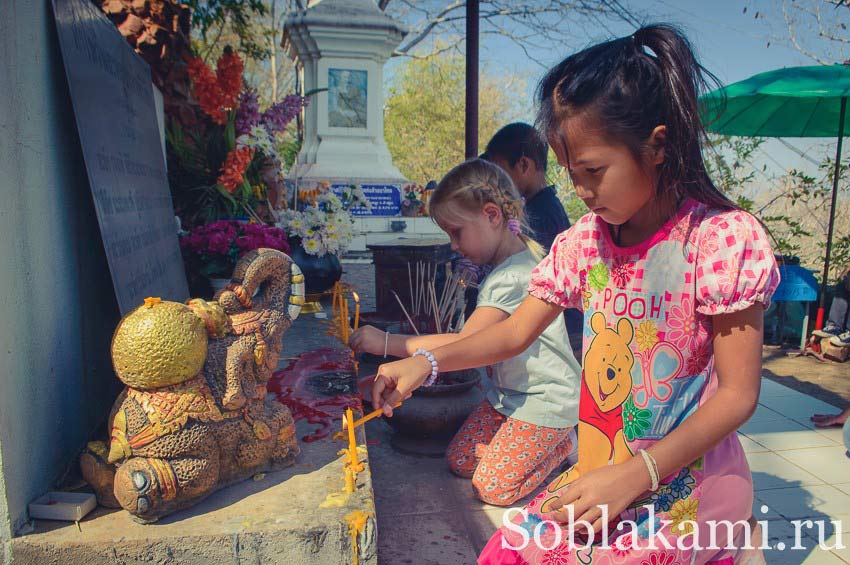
point(521, 151)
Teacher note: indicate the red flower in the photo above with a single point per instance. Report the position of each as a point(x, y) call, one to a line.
point(623, 271)
point(206, 90)
point(229, 73)
point(234, 168)
point(218, 92)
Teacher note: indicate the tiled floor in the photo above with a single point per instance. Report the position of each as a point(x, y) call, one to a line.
point(426, 515)
point(800, 473)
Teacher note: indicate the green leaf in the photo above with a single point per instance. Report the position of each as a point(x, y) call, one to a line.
point(230, 132)
point(597, 278)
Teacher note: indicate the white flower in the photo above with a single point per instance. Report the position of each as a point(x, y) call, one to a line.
point(326, 227)
point(311, 246)
point(258, 138)
point(243, 140)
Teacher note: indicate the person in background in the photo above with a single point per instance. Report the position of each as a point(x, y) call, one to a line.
point(521, 151)
point(834, 420)
point(837, 328)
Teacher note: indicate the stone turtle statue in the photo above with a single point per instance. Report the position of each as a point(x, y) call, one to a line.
point(195, 415)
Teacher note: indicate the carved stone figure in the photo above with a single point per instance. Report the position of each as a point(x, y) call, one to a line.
point(195, 415)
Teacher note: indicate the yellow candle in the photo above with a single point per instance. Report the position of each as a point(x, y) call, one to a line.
point(352, 442)
point(371, 415)
point(345, 321)
point(338, 291)
point(339, 321)
point(356, 311)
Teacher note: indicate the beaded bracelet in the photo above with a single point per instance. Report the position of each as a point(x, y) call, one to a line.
point(652, 467)
point(434, 368)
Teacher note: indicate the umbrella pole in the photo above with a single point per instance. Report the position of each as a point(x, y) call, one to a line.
point(824, 280)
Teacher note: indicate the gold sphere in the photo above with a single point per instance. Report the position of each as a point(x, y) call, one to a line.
point(159, 344)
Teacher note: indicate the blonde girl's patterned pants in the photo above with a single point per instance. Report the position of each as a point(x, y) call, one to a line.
point(506, 458)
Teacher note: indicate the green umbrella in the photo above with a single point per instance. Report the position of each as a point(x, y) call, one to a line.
point(790, 102)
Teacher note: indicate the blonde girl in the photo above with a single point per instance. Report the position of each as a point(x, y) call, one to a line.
point(522, 430)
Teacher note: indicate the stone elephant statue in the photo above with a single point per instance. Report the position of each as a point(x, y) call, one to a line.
point(195, 415)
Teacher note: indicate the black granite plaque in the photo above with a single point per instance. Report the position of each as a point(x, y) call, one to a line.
point(113, 103)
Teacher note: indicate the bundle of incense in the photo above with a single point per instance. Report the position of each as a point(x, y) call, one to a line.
point(424, 300)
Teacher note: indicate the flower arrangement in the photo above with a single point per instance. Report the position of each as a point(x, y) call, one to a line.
point(325, 224)
point(212, 250)
point(229, 166)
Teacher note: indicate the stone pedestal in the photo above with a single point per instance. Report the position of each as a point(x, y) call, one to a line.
point(391, 259)
point(341, 46)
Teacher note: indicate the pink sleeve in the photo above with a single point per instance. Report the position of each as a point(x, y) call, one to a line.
point(556, 279)
point(735, 265)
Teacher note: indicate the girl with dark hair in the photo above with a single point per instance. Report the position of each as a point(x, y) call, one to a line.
point(673, 280)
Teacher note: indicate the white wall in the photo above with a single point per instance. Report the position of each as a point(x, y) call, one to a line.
point(57, 308)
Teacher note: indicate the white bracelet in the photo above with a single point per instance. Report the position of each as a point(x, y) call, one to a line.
point(434, 368)
point(652, 467)
point(386, 342)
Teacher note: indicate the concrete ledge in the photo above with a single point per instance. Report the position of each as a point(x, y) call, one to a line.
point(273, 520)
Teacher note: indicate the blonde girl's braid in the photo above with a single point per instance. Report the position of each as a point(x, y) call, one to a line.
point(474, 183)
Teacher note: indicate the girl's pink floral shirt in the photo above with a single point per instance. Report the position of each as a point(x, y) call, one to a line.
point(648, 359)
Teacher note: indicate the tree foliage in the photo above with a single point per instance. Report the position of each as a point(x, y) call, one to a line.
point(425, 109)
point(212, 17)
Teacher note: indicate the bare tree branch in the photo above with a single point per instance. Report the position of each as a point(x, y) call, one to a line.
point(792, 35)
point(431, 24)
point(528, 24)
point(808, 19)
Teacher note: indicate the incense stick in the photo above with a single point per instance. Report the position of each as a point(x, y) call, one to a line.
point(434, 303)
point(403, 309)
point(410, 284)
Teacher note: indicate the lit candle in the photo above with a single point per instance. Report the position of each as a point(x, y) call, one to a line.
point(352, 443)
point(356, 311)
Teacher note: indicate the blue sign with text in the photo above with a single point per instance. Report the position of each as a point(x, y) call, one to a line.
point(385, 199)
